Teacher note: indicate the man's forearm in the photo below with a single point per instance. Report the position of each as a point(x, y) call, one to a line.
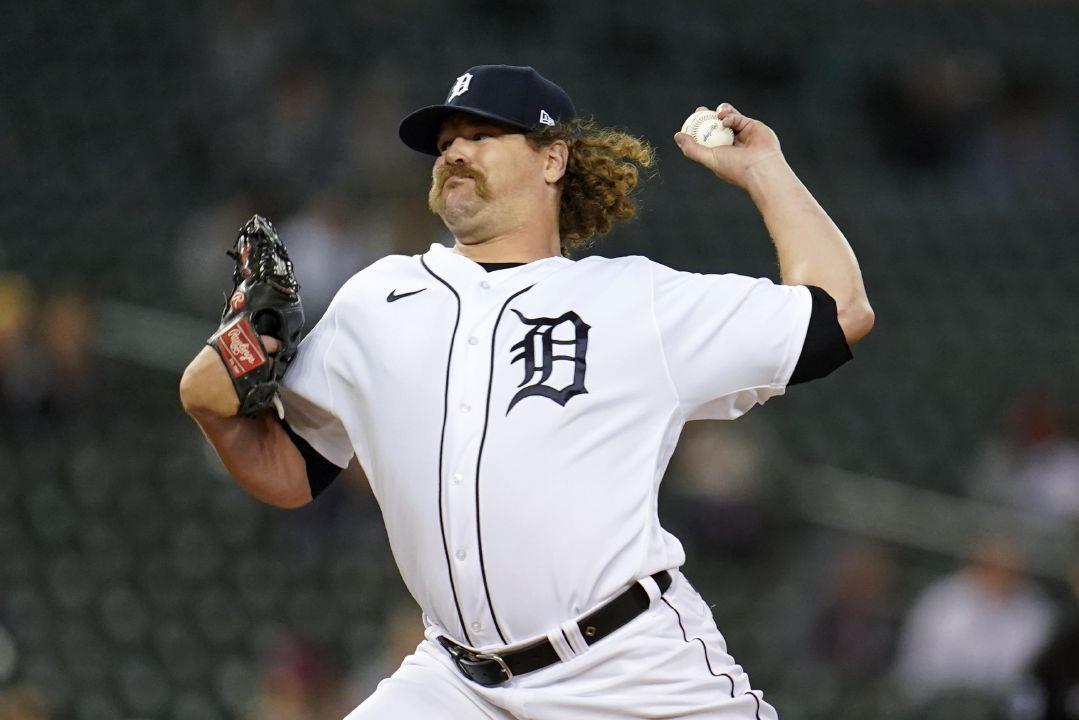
point(256, 451)
point(811, 249)
point(259, 455)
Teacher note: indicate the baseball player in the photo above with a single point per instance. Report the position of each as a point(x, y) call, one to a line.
point(514, 410)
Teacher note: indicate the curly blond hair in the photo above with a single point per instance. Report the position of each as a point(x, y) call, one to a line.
point(601, 175)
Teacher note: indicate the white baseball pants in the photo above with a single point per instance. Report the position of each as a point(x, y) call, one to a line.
point(669, 662)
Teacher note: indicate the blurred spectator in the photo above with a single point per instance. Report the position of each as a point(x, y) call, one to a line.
point(298, 140)
point(401, 633)
point(328, 246)
point(974, 630)
point(244, 40)
point(928, 110)
point(856, 630)
point(47, 359)
point(1028, 152)
point(714, 492)
point(22, 703)
point(11, 155)
point(1056, 669)
point(375, 163)
point(16, 306)
point(347, 510)
point(202, 270)
point(9, 655)
point(1035, 466)
point(297, 683)
point(67, 338)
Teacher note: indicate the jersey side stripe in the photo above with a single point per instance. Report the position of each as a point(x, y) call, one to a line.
point(756, 700)
point(442, 450)
point(479, 458)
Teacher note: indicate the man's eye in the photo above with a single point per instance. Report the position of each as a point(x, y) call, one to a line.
point(473, 137)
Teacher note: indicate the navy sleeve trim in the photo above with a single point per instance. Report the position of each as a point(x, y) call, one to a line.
point(320, 471)
point(825, 347)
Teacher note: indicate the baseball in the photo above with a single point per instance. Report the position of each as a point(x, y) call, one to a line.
point(705, 127)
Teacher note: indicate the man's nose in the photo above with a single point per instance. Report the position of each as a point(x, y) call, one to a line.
point(455, 153)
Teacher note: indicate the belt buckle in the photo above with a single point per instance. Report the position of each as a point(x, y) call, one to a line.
point(502, 666)
point(472, 664)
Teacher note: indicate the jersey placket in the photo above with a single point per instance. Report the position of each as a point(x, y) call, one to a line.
point(464, 430)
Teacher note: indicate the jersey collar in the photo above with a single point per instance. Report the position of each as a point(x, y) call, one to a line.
point(460, 272)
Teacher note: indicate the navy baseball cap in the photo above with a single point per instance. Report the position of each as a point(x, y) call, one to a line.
point(517, 96)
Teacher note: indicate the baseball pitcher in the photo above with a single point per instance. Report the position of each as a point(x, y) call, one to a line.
point(514, 410)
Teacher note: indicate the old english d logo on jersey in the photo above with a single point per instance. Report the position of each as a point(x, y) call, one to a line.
point(537, 354)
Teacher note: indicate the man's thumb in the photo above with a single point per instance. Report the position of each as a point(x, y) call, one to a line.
point(271, 343)
point(691, 148)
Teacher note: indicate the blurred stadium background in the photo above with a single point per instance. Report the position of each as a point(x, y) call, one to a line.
point(898, 541)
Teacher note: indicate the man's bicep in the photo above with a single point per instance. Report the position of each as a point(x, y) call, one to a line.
point(321, 472)
point(310, 417)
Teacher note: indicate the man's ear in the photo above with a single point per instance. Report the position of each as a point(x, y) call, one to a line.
point(556, 159)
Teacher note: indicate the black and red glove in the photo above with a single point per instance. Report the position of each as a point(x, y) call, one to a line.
point(265, 300)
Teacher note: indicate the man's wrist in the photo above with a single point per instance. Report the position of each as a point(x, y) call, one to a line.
point(767, 175)
point(205, 389)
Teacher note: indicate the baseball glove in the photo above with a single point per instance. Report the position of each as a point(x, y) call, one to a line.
point(265, 300)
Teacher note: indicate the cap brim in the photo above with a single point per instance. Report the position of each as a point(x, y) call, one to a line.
point(419, 130)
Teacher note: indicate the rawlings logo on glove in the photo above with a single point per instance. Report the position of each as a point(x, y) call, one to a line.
point(239, 349)
point(265, 301)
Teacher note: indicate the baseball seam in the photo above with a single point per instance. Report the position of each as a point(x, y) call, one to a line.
point(701, 119)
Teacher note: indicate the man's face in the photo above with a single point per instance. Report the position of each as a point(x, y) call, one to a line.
point(486, 179)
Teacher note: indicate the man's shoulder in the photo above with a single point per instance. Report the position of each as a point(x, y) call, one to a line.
point(624, 262)
point(391, 265)
point(646, 270)
point(388, 269)
point(598, 264)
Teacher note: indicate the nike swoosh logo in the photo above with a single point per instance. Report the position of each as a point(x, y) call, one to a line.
point(393, 296)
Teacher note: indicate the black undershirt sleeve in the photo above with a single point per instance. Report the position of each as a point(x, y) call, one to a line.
point(320, 471)
point(825, 347)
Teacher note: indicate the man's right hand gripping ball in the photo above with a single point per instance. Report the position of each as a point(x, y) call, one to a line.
point(265, 301)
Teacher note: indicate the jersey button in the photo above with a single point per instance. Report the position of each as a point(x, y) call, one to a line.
point(460, 554)
point(457, 478)
point(476, 627)
point(465, 407)
point(485, 285)
point(473, 340)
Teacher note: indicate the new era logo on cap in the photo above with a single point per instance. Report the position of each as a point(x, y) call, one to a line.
point(517, 96)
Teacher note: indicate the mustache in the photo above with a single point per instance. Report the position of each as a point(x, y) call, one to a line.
point(442, 175)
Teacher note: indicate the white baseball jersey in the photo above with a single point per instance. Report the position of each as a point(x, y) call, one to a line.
point(515, 425)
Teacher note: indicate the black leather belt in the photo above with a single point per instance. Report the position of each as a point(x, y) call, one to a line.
point(491, 669)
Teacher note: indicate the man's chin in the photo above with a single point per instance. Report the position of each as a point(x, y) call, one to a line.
point(459, 219)
point(446, 206)
point(460, 206)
